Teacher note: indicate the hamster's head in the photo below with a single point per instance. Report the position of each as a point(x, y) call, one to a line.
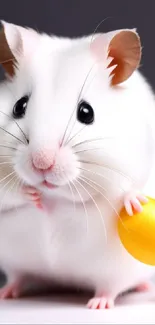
point(71, 111)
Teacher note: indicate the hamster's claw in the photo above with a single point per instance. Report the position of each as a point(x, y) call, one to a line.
point(33, 195)
point(133, 201)
point(100, 303)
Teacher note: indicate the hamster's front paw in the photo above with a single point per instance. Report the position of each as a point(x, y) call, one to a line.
point(132, 202)
point(32, 195)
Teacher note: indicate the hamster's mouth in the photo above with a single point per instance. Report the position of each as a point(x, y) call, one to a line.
point(49, 185)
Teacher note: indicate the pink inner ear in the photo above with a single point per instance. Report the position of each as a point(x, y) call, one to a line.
point(99, 48)
point(29, 40)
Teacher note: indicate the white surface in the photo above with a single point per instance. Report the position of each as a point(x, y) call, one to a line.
point(71, 311)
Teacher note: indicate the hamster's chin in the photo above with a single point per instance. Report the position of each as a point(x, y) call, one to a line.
point(65, 191)
point(54, 189)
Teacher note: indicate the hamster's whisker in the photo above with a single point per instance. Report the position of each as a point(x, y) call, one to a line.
point(113, 208)
point(78, 100)
point(93, 200)
point(101, 175)
point(1, 128)
point(6, 192)
point(95, 30)
point(10, 188)
point(103, 188)
point(7, 142)
point(82, 201)
point(1, 188)
point(6, 156)
point(17, 185)
point(21, 183)
point(22, 133)
point(101, 216)
point(72, 193)
point(92, 181)
point(89, 149)
point(78, 132)
point(10, 117)
point(84, 83)
point(8, 147)
point(3, 179)
point(71, 190)
point(107, 167)
point(91, 140)
point(6, 162)
point(6, 61)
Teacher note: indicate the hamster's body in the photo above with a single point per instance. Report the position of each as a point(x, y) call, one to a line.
point(84, 169)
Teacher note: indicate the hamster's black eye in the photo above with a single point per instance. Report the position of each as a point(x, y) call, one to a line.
point(20, 107)
point(85, 113)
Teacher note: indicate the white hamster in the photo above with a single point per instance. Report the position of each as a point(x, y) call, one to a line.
point(86, 142)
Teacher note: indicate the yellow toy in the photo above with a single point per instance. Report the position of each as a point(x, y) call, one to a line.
point(137, 233)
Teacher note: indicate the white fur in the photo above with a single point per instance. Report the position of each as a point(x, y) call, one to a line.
point(78, 242)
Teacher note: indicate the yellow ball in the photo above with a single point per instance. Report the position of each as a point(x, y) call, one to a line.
point(137, 233)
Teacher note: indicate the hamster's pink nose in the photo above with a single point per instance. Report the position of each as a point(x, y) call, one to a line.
point(43, 159)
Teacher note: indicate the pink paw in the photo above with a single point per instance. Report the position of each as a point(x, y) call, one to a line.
point(10, 290)
point(100, 303)
point(33, 195)
point(133, 201)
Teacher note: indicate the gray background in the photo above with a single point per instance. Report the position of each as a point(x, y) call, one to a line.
point(79, 17)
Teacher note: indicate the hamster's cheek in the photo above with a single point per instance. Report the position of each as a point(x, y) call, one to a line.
point(24, 169)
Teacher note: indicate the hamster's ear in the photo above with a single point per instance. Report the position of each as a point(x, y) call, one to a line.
point(15, 42)
point(123, 49)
